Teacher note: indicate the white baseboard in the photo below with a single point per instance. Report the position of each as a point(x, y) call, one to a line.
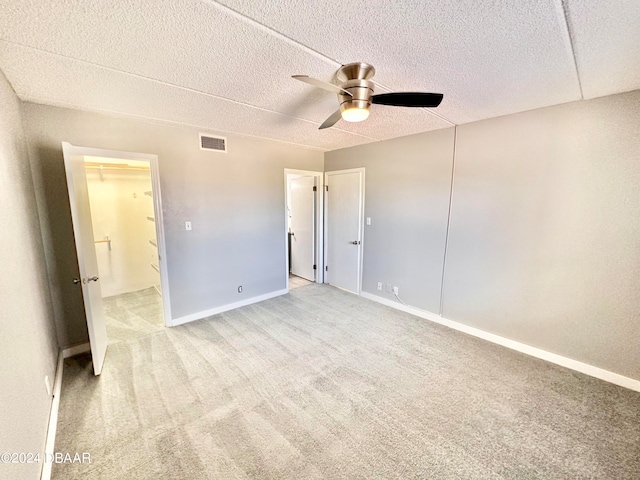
point(76, 350)
point(45, 474)
point(225, 308)
point(581, 367)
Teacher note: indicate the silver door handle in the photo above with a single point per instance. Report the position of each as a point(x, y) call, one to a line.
point(90, 279)
point(356, 242)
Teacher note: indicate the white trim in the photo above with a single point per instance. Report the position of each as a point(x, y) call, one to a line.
point(361, 171)
point(161, 246)
point(581, 367)
point(157, 211)
point(76, 350)
point(318, 221)
point(225, 308)
point(45, 473)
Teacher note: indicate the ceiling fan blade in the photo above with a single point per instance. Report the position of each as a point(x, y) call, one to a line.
point(408, 99)
point(330, 87)
point(332, 120)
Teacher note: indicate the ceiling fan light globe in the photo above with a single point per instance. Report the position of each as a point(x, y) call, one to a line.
point(355, 114)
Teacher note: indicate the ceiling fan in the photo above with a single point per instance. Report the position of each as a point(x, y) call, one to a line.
point(355, 94)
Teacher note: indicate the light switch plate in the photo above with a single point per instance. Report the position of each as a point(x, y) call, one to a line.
point(187, 225)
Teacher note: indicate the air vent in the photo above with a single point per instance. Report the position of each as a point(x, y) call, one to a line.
point(215, 144)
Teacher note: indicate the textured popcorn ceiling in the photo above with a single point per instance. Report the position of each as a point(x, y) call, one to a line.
point(226, 66)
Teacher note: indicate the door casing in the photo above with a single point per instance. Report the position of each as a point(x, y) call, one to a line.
point(157, 208)
point(318, 221)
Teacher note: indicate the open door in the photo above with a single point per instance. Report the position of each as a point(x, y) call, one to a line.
point(87, 261)
point(302, 210)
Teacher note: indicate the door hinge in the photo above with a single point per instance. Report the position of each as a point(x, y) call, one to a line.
point(314, 267)
point(315, 189)
point(326, 187)
point(326, 269)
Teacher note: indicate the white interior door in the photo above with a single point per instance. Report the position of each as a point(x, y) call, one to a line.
point(301, 208)
point(85, 248)
point(345, 206)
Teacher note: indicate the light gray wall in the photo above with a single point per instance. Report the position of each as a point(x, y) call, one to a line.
point(544, 242)
point(235, 202)
point(27, 336)
point(544, 245)
point(407, 187)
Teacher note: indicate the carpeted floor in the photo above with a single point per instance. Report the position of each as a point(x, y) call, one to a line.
point(132, 315)
point(320, 383)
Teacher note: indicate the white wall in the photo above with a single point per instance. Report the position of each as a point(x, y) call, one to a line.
point(235, 202)
point(544, 246)
point(27, 337)
point(407, 187)
point(119, 209)
point(544, 241)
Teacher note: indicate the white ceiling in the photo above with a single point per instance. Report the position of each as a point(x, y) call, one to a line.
point(226, 66)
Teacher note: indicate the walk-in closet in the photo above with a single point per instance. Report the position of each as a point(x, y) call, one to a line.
point(122, 216)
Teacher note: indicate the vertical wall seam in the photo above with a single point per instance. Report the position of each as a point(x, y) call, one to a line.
point(446, 240)
point(565, 16)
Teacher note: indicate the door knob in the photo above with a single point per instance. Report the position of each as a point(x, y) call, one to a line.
point(76, 281)
point(90, 279)
point(356, 242)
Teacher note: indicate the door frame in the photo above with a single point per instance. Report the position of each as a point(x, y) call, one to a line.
point(318, 222)
point(360, 170)
point(157, 212)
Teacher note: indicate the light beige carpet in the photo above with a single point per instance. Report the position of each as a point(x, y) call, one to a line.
point(132, 315)
point(323, 384)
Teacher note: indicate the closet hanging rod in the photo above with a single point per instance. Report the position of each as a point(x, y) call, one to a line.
point(116, 166)
point(107, 239)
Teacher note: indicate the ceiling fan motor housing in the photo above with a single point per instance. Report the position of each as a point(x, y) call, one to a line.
point(355, 79)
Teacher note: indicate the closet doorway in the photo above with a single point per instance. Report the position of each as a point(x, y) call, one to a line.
point(117, 219)
point(126, 244)
point(304, 203)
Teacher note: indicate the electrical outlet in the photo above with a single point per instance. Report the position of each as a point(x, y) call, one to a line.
point(47, 384)
point(187, 225)
point(388, 288)
point(395, 290)
point(240, 289)
point(368, 220)
point(379, 285)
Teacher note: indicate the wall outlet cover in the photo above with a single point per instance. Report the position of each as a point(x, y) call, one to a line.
point(379, 285)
